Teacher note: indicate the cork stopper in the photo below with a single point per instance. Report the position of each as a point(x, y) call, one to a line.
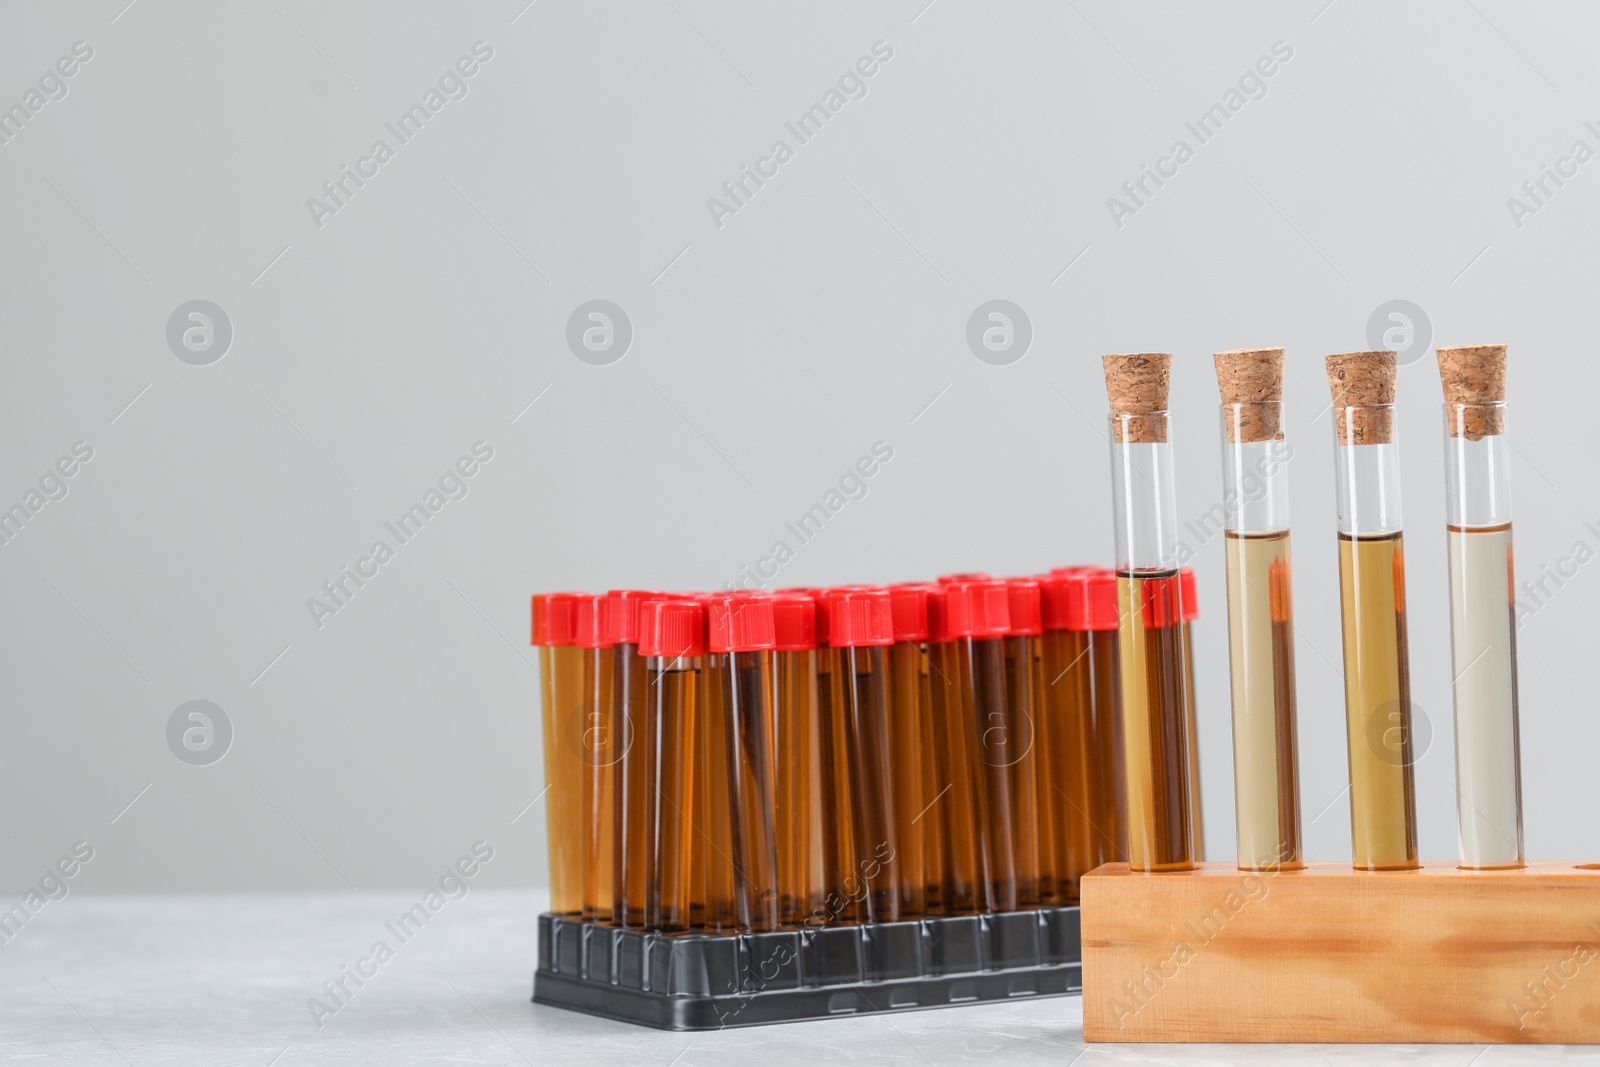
point(1137, 385)
point(1252, 377)
point(1363, 381)
point(1474, 376)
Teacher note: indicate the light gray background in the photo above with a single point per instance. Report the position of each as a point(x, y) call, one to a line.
point(770, 353)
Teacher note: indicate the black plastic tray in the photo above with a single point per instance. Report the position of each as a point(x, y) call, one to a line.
point(712, 981)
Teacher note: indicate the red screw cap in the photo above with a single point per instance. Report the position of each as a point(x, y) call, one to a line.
point(589, 622)
point(976, 609)
point(908, 609)
point(740, 622)
point(622, 613)
point(1024, 603)
point(1091, 601)
point(794, 622)
point(1191, 598)
point(819, 600)
point(554, 618)
point(672, 628)
point(858, 617)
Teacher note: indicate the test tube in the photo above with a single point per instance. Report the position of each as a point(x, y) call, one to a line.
point(861, 629)
point(672, 640)
point(561, 689)
point(712, 899)
point(1482, 621)
point(1191, 612)
point(1372, 587)
point(628, 691)
point(1020, 749)
point(1150, 608)
point(798, 806)
point(840, 904)
point(961, 872)
point(977, 616)
point(911, 739)
point(1255, 459)
point(594, 746)
point(741, 638)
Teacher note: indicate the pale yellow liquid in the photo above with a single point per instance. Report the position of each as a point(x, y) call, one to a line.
point(1261, 654)
point(1483, 639)
point(1377, 698)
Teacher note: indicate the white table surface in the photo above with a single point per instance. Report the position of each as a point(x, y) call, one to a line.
point(224, 980)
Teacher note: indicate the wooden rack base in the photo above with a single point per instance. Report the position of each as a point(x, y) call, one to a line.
point(1329, 954)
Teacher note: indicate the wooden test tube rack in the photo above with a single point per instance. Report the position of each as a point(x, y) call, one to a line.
point(1329, 954)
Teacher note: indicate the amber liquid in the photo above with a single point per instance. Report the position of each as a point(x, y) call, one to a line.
point(713, 903)
point(1377, 696)
point(1020, 751)
point(1197, 830)
point(1154, 723)
point(798, 811)
point(563, 693)
point(632, 844)
point(955, 757)
point(672, 686)
point(841, 888)
point(910, 734)
point(1081, 796)
point(596, 735)
point(984, 673)
point(1261, 652)
point(874, 880)
point(747, 699)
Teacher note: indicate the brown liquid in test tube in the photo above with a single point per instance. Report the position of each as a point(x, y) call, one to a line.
point(1151, 630)
point(977, 616)
point(712, 901)
point(841, 902)
point(911, 740)
point(798, 805)
point(1021, 749)
point(1383, 816)
point(741, 639)
point(561, 675)
point(1191, 612)
point(632, 843)
point(672, 640)
point(594, 739)
point(861, 629)
point(960, 842)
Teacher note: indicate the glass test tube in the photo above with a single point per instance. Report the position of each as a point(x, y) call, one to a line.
point(741, 638)
point(632, 844)
point(1255, 459)
point(954, 750)
point(977, 616)
point(861, 629)
point(1377, 682)
point(672, 641)
point(1483, 630)
point(561, 676)
point(1081, 734)
point(594, 737)
point(1021, 749)
point(1150, 607)
point(798, 806)
point(916, 815)
point(1191, 612)
point(712, 900)
point(840, 903)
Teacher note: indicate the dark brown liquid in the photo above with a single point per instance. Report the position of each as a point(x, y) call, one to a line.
point(712, 903)
point(1019, 751)
point(748, 701)
point(985, 674)
point(669, 789)
point(909, 737)
point(632, 844)
point(798, 810)
point(1154, 723)
point(874, 880)
point(841, 892)
point(954, 761)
